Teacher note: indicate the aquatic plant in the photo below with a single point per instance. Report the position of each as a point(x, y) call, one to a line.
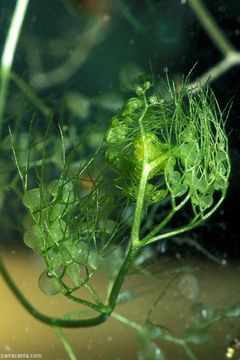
point(163, 150)
point(170, 152)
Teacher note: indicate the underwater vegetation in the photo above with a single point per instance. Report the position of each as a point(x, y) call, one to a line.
point(98, 180)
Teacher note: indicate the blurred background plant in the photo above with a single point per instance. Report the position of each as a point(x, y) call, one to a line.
point(69, 77)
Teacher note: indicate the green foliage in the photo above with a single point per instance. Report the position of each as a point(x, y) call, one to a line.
point(178, 142)
point(170, 154)
point(127, 146)
point(65, 224)
point(52, 236)
point(167, 153)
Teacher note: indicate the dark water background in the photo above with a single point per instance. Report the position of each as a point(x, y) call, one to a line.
point(172, 42)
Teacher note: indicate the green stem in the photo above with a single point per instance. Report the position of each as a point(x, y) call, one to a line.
point(9, 51)
point(198, 247)
point(31, 95)
point(182, 343)
point(211, 27)
point(215, 72)
point(97, 307)
point(75, 323)
point(188, 351)
point(90, 36)
point(65, 343)
point(48, 319)
point(133, 21)
point(94, 294)
point(139, 205)
point(165, 221)
point(166, 337)
point(231, 55)
point(158, 228)
point(128, 322)
point(146, 168)
point(177, 231)
point(106, 310)
point(131, 255)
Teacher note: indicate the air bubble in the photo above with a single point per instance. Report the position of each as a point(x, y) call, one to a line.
point(188, 286)
point(150, 351)
point(224, 262)
point(7, 348)
point(162, 247)
point(48, 285)
point(107, 18)
point(200, 311)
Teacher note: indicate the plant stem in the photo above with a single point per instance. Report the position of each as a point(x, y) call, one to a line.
point(61, 322)
point(9, 51)
point(92, 34)
point(175, 232)
point(65, 343)
point(48, 319)
point(159, 227)
point(211, 27)
point(230, 53)
point(215, 71)
point(31, 95)
point(94, 294)
point(182, 343)
point(165, 221)
point(166, 337)
point(146, 168)
point(131, 255)
point(126, 321)
point(198, 247)
point(96, 307)
point(139, 205)
point(188, 351)
point(133, 21)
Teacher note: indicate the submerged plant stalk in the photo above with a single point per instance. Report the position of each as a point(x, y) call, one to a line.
point(65, 343)
point(9, 51)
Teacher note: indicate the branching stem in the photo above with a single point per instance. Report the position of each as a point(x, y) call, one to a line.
point(65, 343)
point(44, 318)
point(166, 337)
point(69, 323)
point(231, 56)
point(146, 168)
point(211, 27)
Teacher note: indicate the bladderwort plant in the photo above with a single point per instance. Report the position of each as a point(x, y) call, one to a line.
point(166, 153)
point(170, 152)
